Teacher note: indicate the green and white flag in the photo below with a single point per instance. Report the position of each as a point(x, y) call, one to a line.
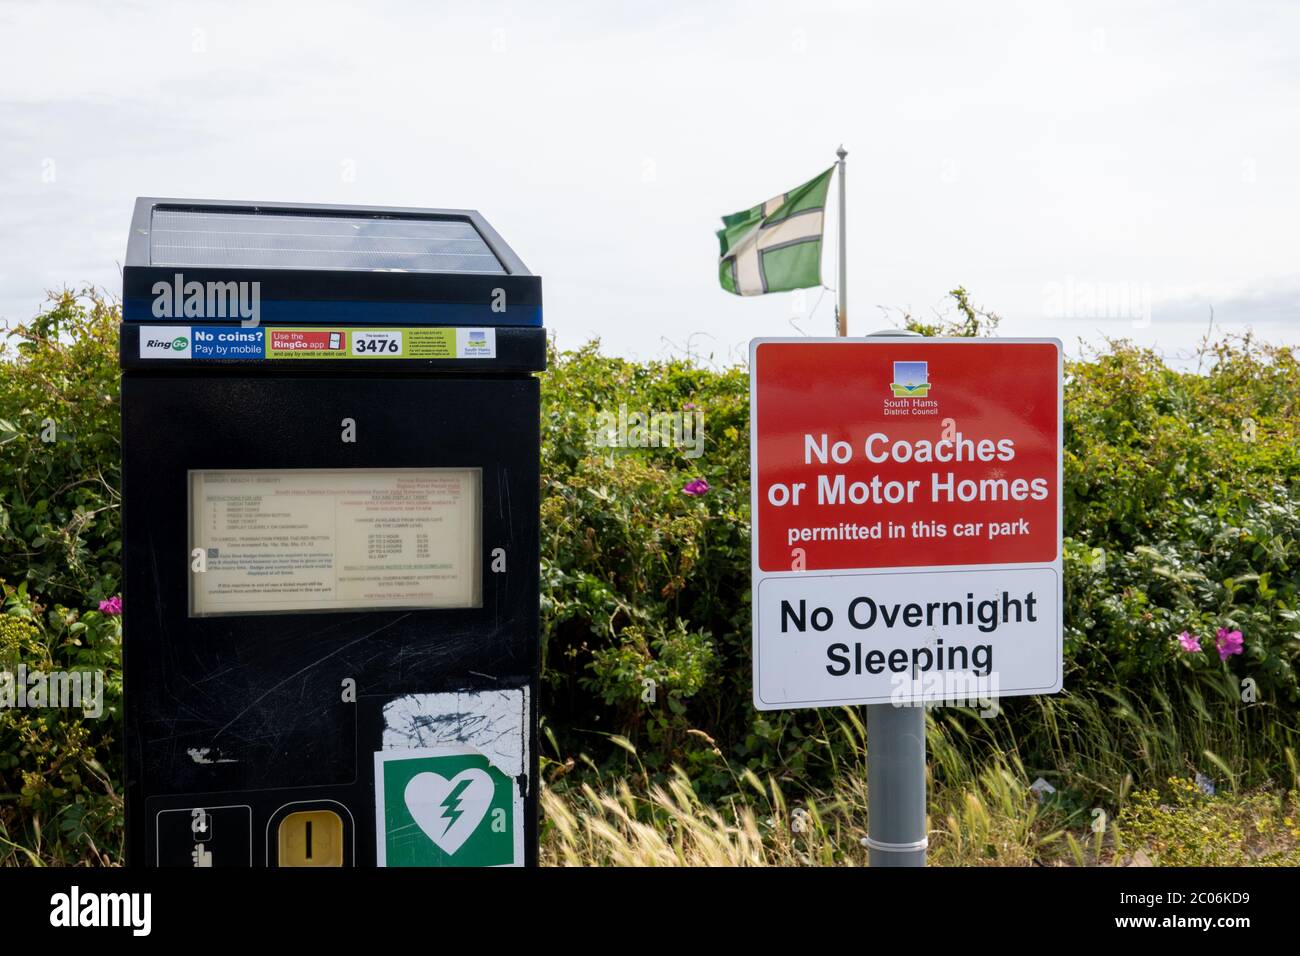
point(776, 246)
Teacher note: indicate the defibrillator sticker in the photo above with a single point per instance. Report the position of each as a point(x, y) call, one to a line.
point(451, 779)
point(445, 806)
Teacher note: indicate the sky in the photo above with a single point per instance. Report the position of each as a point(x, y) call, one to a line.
point(1085, 170)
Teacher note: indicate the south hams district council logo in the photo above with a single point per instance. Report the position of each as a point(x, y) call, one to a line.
point(911, 380)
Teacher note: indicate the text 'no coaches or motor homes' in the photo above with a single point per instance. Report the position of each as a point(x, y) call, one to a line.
point(907, 520)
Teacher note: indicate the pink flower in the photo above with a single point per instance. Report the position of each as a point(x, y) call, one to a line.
point(112, 606)
point(696, 487)
point(1192, 645)
point(689, 406)
point(1229, 643)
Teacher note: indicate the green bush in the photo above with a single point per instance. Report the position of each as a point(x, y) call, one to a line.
point(1182, 513)
point(1186, 826)
point(60, 455)
point(60, 546)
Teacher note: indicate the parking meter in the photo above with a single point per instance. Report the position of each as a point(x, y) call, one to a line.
point(330, 537)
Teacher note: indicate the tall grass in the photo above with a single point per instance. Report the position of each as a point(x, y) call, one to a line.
point(1095, 752)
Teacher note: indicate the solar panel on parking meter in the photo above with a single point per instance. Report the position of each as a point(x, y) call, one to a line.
point(330, 492)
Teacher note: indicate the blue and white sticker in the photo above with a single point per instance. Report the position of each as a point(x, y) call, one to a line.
point(165, 341)
point(239, 343)
point(476, 343)
point(227, 342)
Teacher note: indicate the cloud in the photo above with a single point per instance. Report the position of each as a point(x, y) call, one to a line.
point(1004, 148)
point(1267, 306)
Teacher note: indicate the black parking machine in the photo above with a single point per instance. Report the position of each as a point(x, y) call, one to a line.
point(330, 518)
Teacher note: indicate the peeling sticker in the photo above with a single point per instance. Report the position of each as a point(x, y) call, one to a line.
point(200, 756)
point(494, 722)
point(451, 780)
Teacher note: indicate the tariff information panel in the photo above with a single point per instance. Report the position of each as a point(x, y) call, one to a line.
point(906, 501)
point(325, 540)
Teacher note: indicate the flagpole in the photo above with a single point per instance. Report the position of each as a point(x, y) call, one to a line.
point(842, 309)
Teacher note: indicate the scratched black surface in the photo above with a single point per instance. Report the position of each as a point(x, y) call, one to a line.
point(249, 709)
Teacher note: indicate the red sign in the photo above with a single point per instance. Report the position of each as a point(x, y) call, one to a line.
point(295, 340)
point(905, 453)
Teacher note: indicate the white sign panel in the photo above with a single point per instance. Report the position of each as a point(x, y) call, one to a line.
point(898, 637)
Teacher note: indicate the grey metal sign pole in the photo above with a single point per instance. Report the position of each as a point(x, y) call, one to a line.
point(896, 831)
point(896, 785)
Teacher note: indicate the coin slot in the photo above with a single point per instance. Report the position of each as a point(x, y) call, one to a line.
point(311, 838)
